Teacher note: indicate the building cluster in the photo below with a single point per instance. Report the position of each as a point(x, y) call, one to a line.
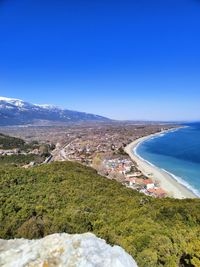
point(17, 151)
point(118, 165)
point(99, 146)
point(145, 185)
point(126, 171)
point(86, 148)
point(10, 152)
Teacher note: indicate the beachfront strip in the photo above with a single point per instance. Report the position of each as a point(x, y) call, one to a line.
point(126, 172)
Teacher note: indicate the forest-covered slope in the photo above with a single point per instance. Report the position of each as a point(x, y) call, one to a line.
point(68, 197)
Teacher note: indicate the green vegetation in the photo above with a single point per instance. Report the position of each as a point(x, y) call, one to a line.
point(25, 152)
point(69, 197)
point(121, 151)
point(20, 159)
point(8, 142)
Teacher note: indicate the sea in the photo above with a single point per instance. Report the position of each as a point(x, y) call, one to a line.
point(178, 153)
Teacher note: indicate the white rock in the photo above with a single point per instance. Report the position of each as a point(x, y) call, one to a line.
point(63, 250)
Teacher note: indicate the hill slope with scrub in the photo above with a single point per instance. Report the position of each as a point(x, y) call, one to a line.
point(68, 197)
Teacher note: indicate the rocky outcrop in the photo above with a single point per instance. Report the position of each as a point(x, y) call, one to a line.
point(65, 250)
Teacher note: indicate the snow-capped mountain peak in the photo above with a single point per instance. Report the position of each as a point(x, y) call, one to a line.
point(13, 101)
point(16, 111)
point(22, 104)
point(7, 99)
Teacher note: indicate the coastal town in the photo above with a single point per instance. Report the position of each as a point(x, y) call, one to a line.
point(127, 172)
point(101, 147)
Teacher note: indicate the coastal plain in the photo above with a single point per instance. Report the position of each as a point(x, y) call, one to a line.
point(108, 148)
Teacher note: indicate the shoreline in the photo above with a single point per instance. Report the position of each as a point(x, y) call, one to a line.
point(167, 182)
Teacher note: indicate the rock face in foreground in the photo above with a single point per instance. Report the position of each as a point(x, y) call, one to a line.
point(65, 250)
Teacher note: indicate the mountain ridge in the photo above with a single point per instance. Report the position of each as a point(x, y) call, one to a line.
point(18, 112)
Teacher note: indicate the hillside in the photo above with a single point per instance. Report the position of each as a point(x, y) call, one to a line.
point(68, 197)
point(18, 112)
point(9, 142)
point(16, 152)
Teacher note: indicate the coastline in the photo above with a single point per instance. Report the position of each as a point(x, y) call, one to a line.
point(166, 180)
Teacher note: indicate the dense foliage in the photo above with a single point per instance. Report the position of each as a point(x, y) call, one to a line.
point(22, 153)
point(20, 160)
point(8, 142)
point(68, 197)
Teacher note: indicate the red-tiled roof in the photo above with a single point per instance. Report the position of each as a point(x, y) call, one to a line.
point(148, 181)
point(157, 191)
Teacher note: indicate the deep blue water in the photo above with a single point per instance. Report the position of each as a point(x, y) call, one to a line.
point(177, 152)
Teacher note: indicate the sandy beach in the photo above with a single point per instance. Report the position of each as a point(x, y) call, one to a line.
point(166, 181)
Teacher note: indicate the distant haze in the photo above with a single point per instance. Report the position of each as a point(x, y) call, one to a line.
point(133, 60)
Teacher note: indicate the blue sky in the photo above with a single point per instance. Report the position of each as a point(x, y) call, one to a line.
point(125, 59)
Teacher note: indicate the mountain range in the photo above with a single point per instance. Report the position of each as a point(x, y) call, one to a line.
point(18, 112)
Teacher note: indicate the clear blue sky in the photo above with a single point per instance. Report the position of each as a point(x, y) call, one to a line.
point(125, 59)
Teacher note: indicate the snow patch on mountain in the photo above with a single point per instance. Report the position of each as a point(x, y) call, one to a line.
point(9, 103)
point(63, 250)
point(47, 106)
point(18, 112)
point(13, 101)
point(7, 99)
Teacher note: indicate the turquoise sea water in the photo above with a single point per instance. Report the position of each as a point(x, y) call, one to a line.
point(178, 153)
